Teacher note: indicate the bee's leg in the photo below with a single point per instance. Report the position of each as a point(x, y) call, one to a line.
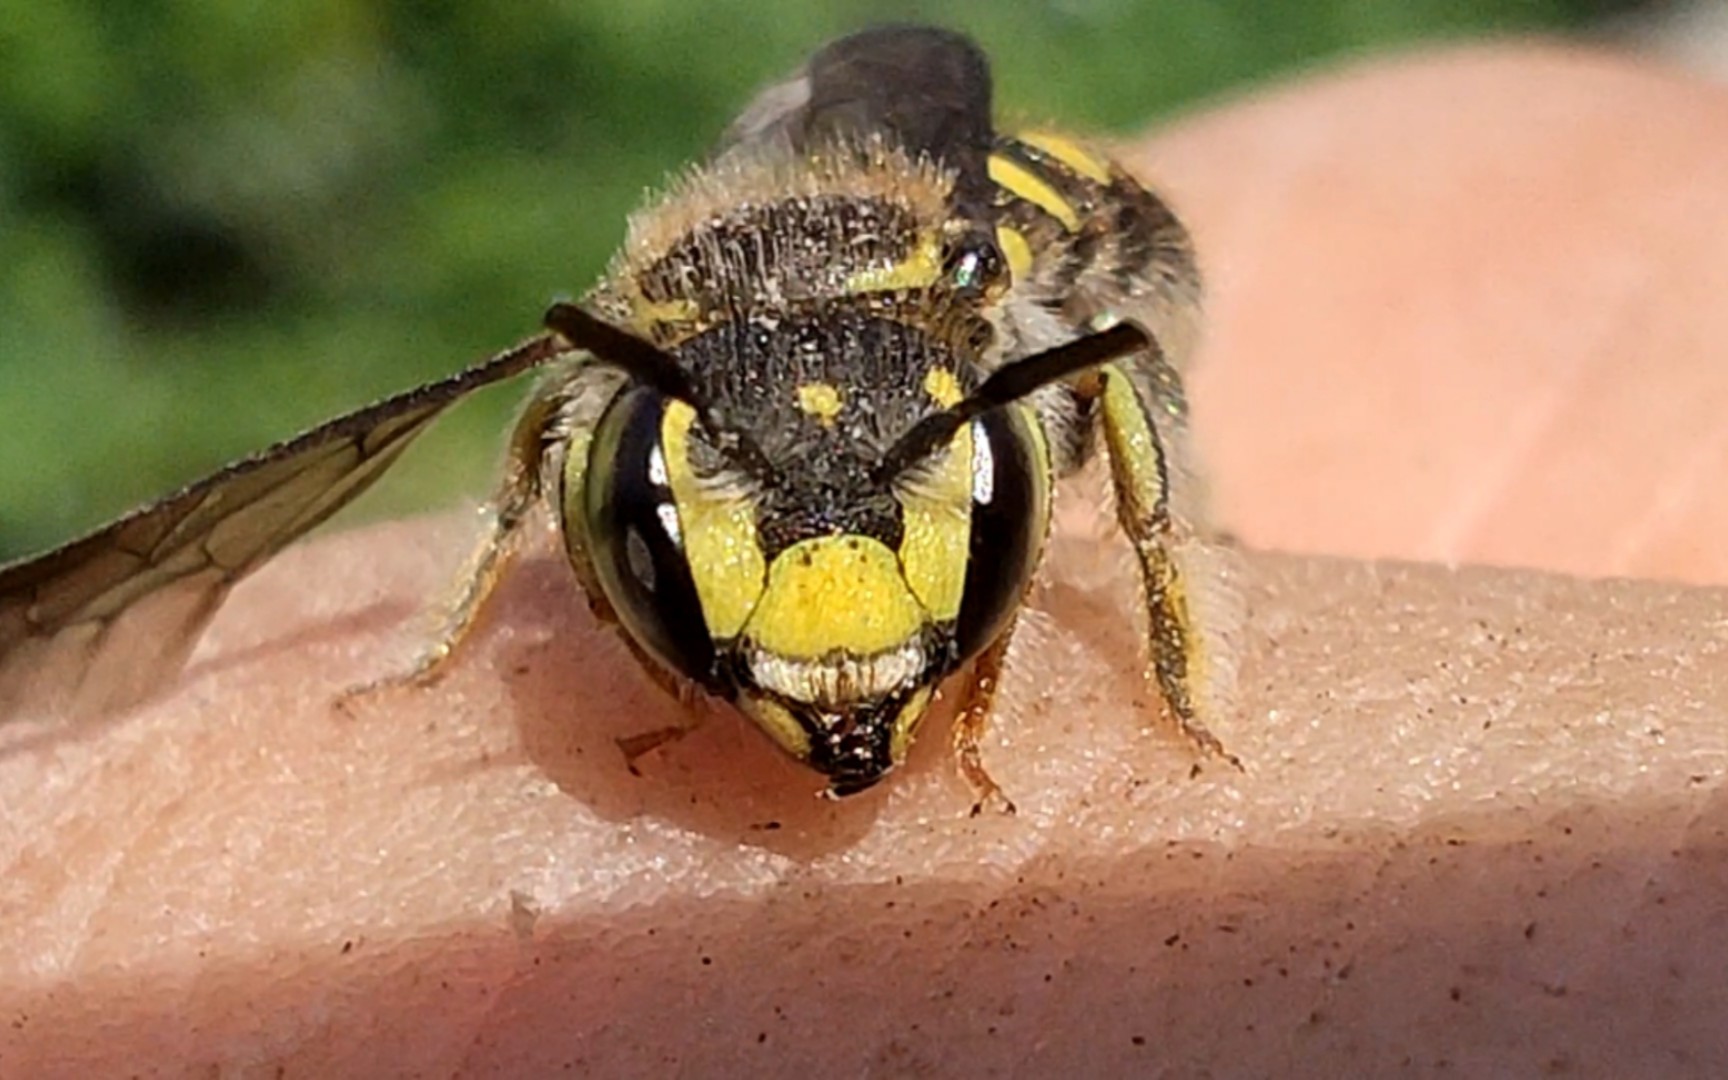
point(644, 743)
point(973, 716)
point(683, 691)
point(505, 511)
point(1186, 656)
point(637, 746)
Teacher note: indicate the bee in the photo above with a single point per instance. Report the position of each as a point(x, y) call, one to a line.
point(800, 443)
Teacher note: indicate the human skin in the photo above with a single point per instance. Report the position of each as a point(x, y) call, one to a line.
point(1464, 306)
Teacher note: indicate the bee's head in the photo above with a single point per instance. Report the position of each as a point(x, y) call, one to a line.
point(823, 579)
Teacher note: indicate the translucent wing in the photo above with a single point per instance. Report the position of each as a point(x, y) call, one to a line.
point(106, 619)
point(928, 90)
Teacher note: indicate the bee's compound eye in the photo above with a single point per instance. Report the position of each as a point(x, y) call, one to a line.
point(1010, 514)
point(636, 542)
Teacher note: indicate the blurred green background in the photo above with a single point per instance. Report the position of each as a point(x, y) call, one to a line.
point(222, 221)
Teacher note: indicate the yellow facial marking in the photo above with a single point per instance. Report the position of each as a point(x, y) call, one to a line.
point(919, 270)
point(781, 726)
point(1016, 250)
point(1069, 153)
point(719, 532)
point(943, 387)
point(822, 401)
point(1022, 182)
point(906, 724)
point(835, 592)
point(937, 513)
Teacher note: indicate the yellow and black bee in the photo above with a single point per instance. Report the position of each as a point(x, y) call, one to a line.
point(800, 442)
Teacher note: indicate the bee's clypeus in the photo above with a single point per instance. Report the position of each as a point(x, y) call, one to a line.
point(800, 442)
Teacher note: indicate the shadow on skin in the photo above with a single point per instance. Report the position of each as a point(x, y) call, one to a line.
point(576, 691)
point(1311, 945)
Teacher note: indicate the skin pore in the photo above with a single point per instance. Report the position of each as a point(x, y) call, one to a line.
point(1463, 307)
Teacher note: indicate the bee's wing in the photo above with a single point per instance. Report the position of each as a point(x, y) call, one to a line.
point(104, 620)
point(926, 89)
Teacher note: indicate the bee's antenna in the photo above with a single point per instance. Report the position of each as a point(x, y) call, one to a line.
point(616, 347)
point(1010, 383)
point(653, 366)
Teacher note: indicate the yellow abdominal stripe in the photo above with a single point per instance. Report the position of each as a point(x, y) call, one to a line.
point(1069, 153)
point(1025, 184)
point(835, 592)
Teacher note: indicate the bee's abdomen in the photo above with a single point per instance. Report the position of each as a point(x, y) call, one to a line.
point(1084, 238)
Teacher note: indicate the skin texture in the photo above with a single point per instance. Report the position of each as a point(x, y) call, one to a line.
point(1465, 307)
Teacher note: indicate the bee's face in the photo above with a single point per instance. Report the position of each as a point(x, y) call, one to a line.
point(823, 598)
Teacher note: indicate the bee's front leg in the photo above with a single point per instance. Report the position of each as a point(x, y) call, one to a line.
point(983, 680)
point(506, 511)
